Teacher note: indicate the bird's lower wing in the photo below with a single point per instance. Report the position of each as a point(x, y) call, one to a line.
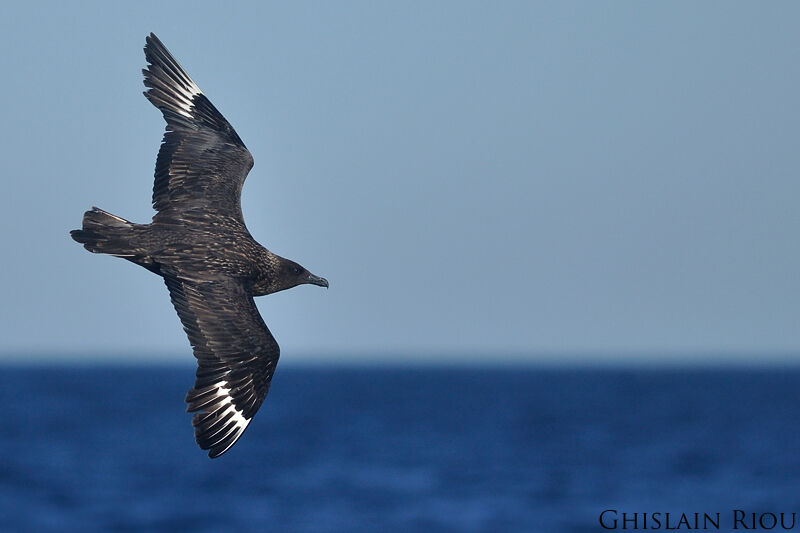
point(236, 356)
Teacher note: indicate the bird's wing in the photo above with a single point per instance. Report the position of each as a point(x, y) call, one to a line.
point(236, 357)
point(202, 163)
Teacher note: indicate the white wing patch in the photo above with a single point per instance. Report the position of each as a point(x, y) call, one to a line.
point(186, 96)
point(225, 408)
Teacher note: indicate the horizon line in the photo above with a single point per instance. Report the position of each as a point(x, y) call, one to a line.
point(433, 357)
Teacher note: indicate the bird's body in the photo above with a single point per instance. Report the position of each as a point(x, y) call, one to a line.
point(217, 245)
point(198, 242)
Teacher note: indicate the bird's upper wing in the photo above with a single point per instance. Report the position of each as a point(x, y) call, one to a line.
point(202, 162)
point(236, 356)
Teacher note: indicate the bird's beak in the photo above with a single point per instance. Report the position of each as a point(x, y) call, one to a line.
point(316, 280)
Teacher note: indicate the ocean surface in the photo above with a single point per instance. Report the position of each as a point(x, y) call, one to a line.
point(443, 449)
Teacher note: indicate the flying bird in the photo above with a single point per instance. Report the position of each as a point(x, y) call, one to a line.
point(198, 242)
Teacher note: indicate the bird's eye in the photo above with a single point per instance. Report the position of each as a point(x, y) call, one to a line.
point(297, 270)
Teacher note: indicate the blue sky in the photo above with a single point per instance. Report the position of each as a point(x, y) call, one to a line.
point(529, 180)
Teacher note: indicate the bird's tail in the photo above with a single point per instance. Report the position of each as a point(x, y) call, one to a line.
point(105, 233)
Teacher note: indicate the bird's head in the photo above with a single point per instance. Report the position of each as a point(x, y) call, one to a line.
point(291, 274)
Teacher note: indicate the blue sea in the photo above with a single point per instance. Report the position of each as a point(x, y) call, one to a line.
point(374, 449)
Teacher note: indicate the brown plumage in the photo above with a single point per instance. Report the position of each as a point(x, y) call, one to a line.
point(198, 242)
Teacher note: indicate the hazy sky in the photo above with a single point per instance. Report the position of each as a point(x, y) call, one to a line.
point(479, 178)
